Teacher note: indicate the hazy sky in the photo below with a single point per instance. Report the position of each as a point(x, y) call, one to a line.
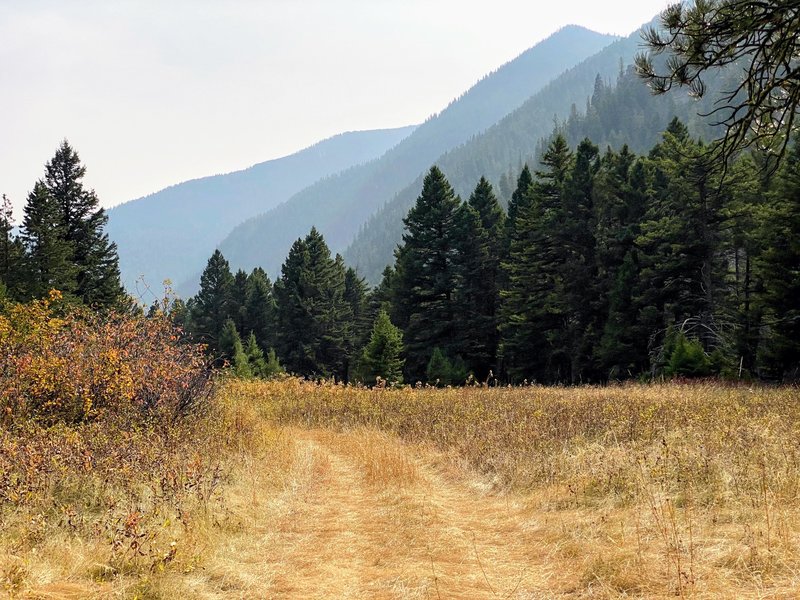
point(151, 93)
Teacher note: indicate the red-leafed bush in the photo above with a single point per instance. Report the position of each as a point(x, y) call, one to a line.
point(69, 364)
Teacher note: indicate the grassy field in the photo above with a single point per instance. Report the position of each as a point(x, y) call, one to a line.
point(296, 490)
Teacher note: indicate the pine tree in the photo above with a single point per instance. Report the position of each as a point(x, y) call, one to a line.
point(480, 228)
point(314, 320)
point(441, 371)
point(619, 200)
point(273, 367)
point(241, 361)
point(381, 297)
point(355, 295)
point(682, 274)
point(48, 255)
point(82, 219)
point(520, 198)
point(255, 357)
point(780, 269)
point(211, 307)
point(581, 290)
point(11, 252)
point(532, 310)
point(228, 339)
point(259, 309)
point(475, 338)
point(426, 276)
point(238, 300)
point(742, 246)
point(382, 355)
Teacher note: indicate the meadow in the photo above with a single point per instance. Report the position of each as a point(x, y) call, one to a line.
point(303, 490)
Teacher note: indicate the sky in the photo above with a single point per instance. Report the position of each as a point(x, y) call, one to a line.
point(152, 93)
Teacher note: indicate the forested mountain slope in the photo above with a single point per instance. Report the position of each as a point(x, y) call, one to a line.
point(171, 233)
point(339, 205)
point(624, 111)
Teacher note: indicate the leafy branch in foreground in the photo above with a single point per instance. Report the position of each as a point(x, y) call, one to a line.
point(762, 37)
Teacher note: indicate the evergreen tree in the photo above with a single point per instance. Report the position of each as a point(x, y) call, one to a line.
point(259, 310)
point(355, 295)
point(480, 229)
point(780, 269)
point(762, 37)
point(442, 371)
point(211, 307)
point(48, 254)
point(581, 290)
point(532, 310)
point(619, 194)
point(94, 257)
point(382, 355)
point(475, 339)
point(238, 301)
point(682, 274)
point(241, 361)
point(426, 276)
point(11, 252)
point(272, 367)
point(742, 245)
point(686, 358)
point(314, 320)
point(255, 357)
point(520, 198)
point(381, 297)
point(228, 340)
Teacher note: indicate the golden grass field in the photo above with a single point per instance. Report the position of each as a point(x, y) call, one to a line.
point(288, 489)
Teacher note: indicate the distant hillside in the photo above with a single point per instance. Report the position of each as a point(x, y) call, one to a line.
point(171, 233)
point(622, 112)
point(508, 144)
point(339, 205)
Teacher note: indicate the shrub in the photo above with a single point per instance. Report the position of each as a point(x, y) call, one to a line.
point(381, 357)
point(442, 371)
point(688, 359)
point(65, 364)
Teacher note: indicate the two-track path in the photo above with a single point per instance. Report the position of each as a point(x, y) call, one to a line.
point(385, 522)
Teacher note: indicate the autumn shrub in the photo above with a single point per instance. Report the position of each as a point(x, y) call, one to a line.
point(61, 364)
point(111, 442)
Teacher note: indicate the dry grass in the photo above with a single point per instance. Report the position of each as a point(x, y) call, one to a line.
point(105, 510)
point(334, 492)
point(664, 490)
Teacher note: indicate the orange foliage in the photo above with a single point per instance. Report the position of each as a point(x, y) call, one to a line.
point(67, 364)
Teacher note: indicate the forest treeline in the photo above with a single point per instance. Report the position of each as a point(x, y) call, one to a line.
point(606, 265)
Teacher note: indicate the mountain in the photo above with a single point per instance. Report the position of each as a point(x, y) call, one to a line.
point(170, 234)
point(340, 204)
point(621, 112)
point(509, 143)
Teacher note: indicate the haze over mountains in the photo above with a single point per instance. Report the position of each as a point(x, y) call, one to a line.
point(508, 144)
point(170, 234)
point(356, 188)
point(339, 206)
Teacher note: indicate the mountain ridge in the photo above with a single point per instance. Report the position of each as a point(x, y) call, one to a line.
point(512, 140)
point(341, 205)
point(170, 233)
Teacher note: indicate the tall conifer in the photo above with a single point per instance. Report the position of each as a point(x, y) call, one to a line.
point(426, 275)
point(211, 307)
point(532, 312)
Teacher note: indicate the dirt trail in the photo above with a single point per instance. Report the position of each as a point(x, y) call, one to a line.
point(367, 519)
